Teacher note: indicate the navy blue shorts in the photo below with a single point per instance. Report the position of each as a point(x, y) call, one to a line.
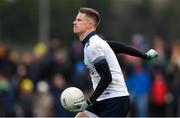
point(113, 107)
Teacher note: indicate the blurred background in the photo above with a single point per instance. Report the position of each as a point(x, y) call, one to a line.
point(40, 56)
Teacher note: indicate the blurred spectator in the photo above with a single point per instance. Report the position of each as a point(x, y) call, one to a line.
point(27, 60)
point(9, 62)
point(4, 88)
point(79, 76)
point(8, 65)
point(57, 87)
point(75, 54)
point(2, 52)
point(18, 77)
point(138, 42)
point(61, 64)
point(138, 84)
point(138, 79)
point(42, 102)
point(7, 96)
point(26, 95)
point(161, 61)
point(174, 81)
point(40, 49)
point(158, 94)
point(36, 67)
point(47, 64)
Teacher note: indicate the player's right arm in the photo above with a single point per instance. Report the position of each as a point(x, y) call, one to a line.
point(98, 59)
point(123, 48)
point(97, 56)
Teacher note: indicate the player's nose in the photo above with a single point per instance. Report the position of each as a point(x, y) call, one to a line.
point(74, 22)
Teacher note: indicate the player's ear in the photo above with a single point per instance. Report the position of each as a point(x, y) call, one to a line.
point(90, 24)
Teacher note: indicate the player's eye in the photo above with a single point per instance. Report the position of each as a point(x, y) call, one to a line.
point(78, 19)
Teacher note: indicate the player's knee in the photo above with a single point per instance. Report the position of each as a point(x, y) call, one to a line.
point(81, 114)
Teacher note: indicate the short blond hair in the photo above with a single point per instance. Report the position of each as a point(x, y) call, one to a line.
point(91, 13)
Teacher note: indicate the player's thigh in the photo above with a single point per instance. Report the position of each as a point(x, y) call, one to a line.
point(85, 114)
point(81, 114)
point(90, 114)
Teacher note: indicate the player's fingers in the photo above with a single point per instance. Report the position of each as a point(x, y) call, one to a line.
point(79, 103)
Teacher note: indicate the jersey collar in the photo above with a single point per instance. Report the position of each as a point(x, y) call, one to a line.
point(86, 39)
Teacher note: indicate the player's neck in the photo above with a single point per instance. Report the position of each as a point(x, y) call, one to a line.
point(82, 36)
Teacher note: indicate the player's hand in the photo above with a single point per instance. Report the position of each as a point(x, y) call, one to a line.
point(151, 54)
point(82, 106)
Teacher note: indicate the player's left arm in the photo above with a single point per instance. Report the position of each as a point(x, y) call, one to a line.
point(118, 47)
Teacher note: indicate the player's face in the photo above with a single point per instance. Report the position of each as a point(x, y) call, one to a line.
point(80, 24)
